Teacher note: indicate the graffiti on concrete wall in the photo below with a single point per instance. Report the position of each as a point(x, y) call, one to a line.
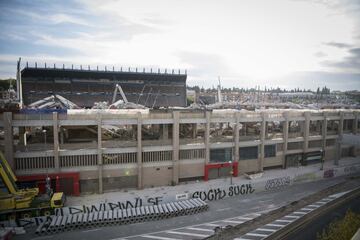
point(350, 169)
point(218, 193)
point(329, 173)
point(277, 183)
point(137, 202)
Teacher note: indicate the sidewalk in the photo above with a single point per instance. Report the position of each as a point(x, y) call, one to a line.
point(216, 189)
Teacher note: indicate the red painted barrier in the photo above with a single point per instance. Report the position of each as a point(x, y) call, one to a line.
point(40, 180)
point(234, 166)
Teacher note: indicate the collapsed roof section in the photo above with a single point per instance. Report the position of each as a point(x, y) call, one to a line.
point(53, 102)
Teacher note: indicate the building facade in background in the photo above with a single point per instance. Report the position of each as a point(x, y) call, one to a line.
point(85, 87)
point(118, 149)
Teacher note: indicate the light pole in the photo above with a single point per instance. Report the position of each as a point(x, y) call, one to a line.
point(322, 158)
point(47, 180)
point(231, 172)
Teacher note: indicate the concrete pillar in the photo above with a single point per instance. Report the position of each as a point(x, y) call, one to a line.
point(237, 128)
point(286, 137)
point(175, 138)
point(207, 137)
point(139, 150)
point(306, 131)
point(56, 141)
point(262, 141)
point(99, 150)
point(164, 131)
point(340, 138)
point(324, 132)
point(194, 130)
point(355, 123)
point(8, 139)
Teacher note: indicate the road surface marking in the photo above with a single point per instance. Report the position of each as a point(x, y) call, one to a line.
point(291, 216)
point(200, 229)
point(92, 230)
point(307, 209)
point(256, 234)
point(188, 234)
point(322, 202)
point(274, 225)
point(223, 209)
point(328, 199)
point(314, 205)
point(232, 221)
point(211, 224)
point(244, 218)
point(266, 230)
point(301, 213)
point(160, 238)
point(241, 238)
point(283, 220)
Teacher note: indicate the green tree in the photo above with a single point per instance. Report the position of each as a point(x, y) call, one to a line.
point(343, 229)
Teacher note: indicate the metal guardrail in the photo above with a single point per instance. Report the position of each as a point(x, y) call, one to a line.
point(122, 216)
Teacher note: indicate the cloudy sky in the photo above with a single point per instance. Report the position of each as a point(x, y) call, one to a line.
point(286, 43)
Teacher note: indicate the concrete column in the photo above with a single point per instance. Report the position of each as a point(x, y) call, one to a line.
point(8, 139)
point(324, 132)
point(237, 128)
point(56, 141)
point(164, 130)
point(194, 130)
point(175, 138)
point(306, 131)
point(262, 141)
point(340, 138)
point(355, 123)
point(286, 137)
point(99, 150)
point(139, 150)
point(207, 137)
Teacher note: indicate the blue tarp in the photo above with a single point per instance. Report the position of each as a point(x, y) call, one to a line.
point(42, 111)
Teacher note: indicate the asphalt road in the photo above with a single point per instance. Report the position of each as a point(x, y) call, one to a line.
point(318, 224)
point(222, 209)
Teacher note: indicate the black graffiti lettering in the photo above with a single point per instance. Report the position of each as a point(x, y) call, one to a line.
point(74, 210)
point(113, 206)
point(249, 189)
point(277, 183)
point(155, 200)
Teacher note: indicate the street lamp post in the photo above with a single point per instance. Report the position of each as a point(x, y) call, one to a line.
point(231, 172)
point(47, 180)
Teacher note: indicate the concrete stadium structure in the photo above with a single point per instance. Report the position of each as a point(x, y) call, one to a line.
point(85, 86)
point(109, 152)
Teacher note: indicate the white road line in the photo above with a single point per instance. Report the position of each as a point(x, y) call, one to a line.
point(188, 234)
point(322, 202)
point(328, 199)
point(211, 224)
point(291, 216)
point(266, 229)
point(256, 234)
point(232, 221)
point(314, 205)
point(301, 213)
point(223, 209)
point(307, 209)
point(274, 225)
point(283, 220)
point(200, 229)
point(256, 214)
point(244, 218)
point(240, 238)
point(160, 238)
point(92, 230)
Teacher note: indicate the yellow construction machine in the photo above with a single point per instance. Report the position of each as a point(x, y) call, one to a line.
point(23, 203)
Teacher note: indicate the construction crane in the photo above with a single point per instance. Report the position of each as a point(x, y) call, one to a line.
point(22, 203)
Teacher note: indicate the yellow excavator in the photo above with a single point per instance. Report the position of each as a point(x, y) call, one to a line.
point(23, 203)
